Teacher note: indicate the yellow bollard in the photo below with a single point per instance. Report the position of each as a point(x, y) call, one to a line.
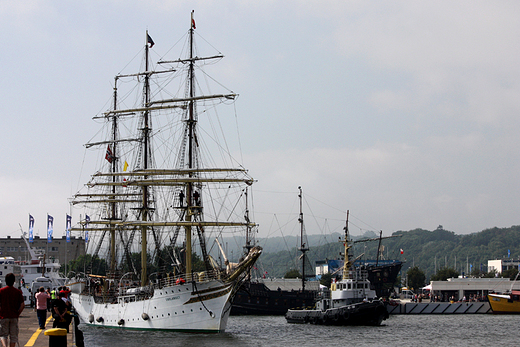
point(57, 337)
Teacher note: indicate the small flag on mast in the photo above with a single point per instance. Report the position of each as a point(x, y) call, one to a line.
point(149, 40)
point(109, 156)
point(192, 20)
point(124, 169)
point(402, 252)
point(31, 228)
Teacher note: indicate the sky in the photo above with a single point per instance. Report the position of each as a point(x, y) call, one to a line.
point(405, 113)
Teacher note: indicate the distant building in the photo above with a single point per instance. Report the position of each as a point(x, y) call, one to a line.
point(57, 250)
point(467, 287)
point(501, 265)
point(322, 268)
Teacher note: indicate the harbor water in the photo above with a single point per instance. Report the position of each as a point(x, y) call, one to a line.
point(398, 330)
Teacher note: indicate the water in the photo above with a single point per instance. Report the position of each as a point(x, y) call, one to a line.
point(399, 330)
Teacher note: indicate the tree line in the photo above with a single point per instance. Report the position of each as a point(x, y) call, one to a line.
point(436, 254)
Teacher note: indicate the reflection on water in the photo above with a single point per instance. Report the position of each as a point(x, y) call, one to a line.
point(399, 330)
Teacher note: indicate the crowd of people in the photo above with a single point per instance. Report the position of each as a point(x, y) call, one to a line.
point(55, 301)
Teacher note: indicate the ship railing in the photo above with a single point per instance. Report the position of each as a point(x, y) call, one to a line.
point(169, 280)
point(108, 288)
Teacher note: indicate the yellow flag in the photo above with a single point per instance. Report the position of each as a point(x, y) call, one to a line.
point(125, 166)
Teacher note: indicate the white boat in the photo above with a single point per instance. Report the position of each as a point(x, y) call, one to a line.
point(148, 199)
point(32, 271)
point(38, 267)
point(9, 265)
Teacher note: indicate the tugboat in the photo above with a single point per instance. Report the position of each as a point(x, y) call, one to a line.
point(348, 302)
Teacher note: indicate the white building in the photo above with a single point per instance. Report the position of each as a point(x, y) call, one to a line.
point(460, 287)
point(500, 265)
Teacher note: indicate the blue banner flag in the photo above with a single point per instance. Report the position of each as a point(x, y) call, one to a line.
point(87, 220)
point(508, 253)
point(67, 227)
point(31, 228)
point(50, 222)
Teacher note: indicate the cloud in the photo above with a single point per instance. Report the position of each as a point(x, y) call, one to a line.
point(404, 112)
point(22, 196)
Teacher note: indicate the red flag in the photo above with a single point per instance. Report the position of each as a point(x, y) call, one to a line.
point(109, 155)
point(192, 20)
point(402, 252)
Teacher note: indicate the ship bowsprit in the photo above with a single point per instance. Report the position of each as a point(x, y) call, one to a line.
point(364, 313)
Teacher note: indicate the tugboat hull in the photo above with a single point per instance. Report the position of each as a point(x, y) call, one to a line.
point(363, 313)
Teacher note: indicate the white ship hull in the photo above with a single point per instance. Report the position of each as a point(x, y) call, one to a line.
point(182, 307)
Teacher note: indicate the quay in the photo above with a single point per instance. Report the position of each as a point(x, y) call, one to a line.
point(30, 333)
point(440, 308)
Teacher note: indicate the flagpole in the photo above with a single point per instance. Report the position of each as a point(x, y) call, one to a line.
point(66, 231)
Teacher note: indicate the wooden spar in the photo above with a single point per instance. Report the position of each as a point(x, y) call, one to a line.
point(195, 98)
point(142, 109)
point(154, 172)
point(171, 181)
point(172, 223)
point(219, 56)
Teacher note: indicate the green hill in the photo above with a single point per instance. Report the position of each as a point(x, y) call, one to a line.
point(429, 250)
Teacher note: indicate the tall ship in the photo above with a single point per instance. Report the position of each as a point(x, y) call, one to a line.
point(158, 196)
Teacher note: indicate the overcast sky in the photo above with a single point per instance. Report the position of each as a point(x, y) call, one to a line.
point(403, 112)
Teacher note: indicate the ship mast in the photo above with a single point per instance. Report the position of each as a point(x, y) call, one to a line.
point(347, 264)
point(146, 147)
point(303, 247)
point(191, 125)
point(113, 212)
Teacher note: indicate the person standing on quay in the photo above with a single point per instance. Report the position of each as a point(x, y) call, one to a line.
point(41, 306)
point(11, 306)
